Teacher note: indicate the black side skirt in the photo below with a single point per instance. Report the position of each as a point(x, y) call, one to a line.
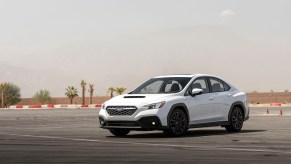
point(202, 125)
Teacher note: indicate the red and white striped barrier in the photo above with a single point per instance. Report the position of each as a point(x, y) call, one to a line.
point(58, 106)
point(275, 104)
point(270, 105)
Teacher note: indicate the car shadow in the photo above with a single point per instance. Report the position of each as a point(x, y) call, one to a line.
point(190, 133)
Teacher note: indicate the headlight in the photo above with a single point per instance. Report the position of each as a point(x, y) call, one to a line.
point(156, 105)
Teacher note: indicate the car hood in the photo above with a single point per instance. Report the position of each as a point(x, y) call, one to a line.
point(137, 99)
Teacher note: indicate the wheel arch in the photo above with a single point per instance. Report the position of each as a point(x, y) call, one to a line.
point(181, 106)
point(237, 104)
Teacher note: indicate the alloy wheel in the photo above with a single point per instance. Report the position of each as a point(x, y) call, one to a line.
point(178, 122)
point(237, 118)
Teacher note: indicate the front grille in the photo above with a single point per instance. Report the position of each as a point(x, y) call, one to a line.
point(121, 110)
point(122, 123)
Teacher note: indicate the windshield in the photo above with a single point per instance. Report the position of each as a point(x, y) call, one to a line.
point(163, 85)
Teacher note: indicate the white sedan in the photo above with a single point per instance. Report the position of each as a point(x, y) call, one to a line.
point(176, 103)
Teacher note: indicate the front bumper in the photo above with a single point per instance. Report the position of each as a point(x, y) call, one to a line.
point(142, 118)
point(144, 123)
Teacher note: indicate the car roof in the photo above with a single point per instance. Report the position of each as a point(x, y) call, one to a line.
point(185, 75)
point(195, 75)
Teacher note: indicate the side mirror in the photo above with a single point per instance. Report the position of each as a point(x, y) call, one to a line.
point(196, 91)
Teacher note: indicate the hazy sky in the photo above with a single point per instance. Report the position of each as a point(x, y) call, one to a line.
point(50, 44)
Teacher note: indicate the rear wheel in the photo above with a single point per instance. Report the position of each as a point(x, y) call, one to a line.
point(236, 120)
point(119, 132)
point(178, 123)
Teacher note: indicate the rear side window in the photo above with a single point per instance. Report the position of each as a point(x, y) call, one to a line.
point(226, 87)
point(218, 85)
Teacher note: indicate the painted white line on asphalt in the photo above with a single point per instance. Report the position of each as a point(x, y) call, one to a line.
point(151, 144)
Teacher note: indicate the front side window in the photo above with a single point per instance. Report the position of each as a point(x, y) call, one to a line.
point(163, 85)
point(199, 83)
point(218, 85)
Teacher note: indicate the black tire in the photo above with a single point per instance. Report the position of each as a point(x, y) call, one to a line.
point(178, 123)
point(119, 132)
point(236, 120)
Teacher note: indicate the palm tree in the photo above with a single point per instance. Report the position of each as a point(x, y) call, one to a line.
point(111, 90)
point(71, 93)
point(91, 91)
point(3, 86)
point(83, 85)
point(120, 90)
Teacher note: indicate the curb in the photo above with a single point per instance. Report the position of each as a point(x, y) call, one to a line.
point(57, 106)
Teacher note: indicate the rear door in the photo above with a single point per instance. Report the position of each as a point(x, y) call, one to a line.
point(222, 99)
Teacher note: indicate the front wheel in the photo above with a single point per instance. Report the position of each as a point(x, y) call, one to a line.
point(119, 132)
point(178, 123)
point(236, 120)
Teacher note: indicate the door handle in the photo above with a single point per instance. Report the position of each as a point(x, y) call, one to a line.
point(211, 98)
point(229, 95)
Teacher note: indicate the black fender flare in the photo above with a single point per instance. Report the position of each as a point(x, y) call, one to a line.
point(174, 107)
point(237, 103)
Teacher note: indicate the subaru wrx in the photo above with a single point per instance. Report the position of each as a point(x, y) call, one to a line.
point(175, 103)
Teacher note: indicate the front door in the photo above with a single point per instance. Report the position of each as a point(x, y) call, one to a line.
point(201, 107)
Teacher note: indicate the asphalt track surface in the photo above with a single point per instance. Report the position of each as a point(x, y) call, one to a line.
point(73, 136)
